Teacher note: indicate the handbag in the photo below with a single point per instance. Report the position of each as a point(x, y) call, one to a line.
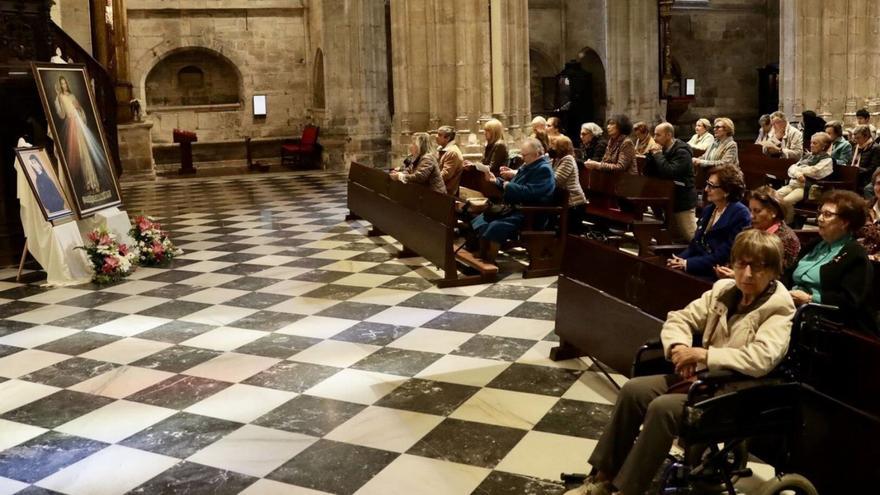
point(497, 212)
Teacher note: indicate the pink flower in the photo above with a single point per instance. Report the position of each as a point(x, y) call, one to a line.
point(144, 224)
point(158, 250)
point(123, 249)
point(110, 264)
point(93, 236)
point(105, 239)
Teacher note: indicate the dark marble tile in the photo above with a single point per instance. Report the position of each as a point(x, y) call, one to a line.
point(535, 379)
point(36, 490)
point(491, 347)
point(322, 276)
point(249, 284)
point(337, 292)
point(551, 337)
point(400, 362)
point(501, 483)
point(172, 276)
point(367, 332)
point(267, 321)
point(428, 396)
point(377, 258)
point(417, 284)
point(357, 246)
point(69, 372)
point(15, 308)
point(292, 377)
point(352, 310)
point(176, 359)
point(56, 409)
point(173, 291)
point(8, 327)
point(236, 257)
point(181, 435)
point(426, 300)
point(174, 309)
point(300, 252)
point(87, 319)
point(94, 299)
point(535, 311)
point(277, 345)
point(461, 322)
point(241, 269)
point(8, 350)
point(195, 479)
point(346, 238)
point(23, 291)
point(175, 332)
point(45, 455)
point(178, 392)
point(505, 291)
point(333, 467)
point(310, 263)
point(309, 415)
point(231, 247)
point(466, 442)
point(575, 418)
point(79, 343)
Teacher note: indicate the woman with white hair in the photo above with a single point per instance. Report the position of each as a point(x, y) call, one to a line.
point(422, 166)
point(702, 138)
point(593, 144)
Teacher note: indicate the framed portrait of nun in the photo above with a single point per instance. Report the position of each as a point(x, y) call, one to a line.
point(80, 142)
point(38, 171)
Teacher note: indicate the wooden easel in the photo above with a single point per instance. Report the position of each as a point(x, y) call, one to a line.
point(24, 252)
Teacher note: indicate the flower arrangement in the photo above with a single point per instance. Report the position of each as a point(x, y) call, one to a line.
point(111, 261)
point(154, 246)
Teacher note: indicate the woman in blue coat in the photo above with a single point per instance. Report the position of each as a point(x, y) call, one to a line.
point(722, 219)
point(531, 184)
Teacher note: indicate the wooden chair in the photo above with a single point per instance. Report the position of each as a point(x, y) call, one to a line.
point(303, 152)
point(843, 177)
point(543, 235)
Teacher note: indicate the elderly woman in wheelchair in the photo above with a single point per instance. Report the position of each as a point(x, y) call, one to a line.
point(745, 325)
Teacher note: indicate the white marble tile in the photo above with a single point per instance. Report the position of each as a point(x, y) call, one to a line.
point(379, 295)
point(200, 254)
point(12, 433)
point(116, 421)
point(403, 316)
point(241, 403)
point(224, 338)
point(486, 306)
point(134, 287)
point(111, 471)
point(46, 314)
point(209, 279)
point(199, 246)
point(35, 336)
point(505, 408)
point(382, 428)
point(263, 250)
point(259, 241)
point(16, 393)
point(56, 296)
point(349, 266)
point(519, 328)
point(516, 279)
point(232, 367)
point(129, 325)
point(126, 350)
point(271, 260)
point(594, 387)
point(132, 304)
point(303, 305)
point(218, 315)
point(545, 296)
point(428, 340)
point(9, 486)
point(121, 382)
point(366, 280)
point(334, 353)
point(410, 474)
point(545, 455)
point(253, 450)
point(361, 387)
point(214, 295)
point(144, 272)
point(322, 327)
point(28, 361)
point(208, 266)
point(281, 272)
point(335, 254)
point(463, 370)
point(329, 245)
point(291, 287)
point(468, 290)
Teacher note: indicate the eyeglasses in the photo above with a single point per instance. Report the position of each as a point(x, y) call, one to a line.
point(757, 267)
point(718, 127)
point(828, 213)
point(710, 185)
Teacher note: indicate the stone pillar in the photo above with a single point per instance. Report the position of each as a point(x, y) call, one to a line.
point(136, 152)
point(832, 54)
point(633, 63)
point(120, 71)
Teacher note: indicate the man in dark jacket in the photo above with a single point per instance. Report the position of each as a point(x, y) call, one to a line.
point(673, 161)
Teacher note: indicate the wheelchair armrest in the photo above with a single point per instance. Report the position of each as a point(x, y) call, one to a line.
point(709, 381)
point(812, 309)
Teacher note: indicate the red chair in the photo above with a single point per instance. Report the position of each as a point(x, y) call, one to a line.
point(304, 152)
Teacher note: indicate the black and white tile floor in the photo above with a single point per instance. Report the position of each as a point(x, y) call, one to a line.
point(286, 353)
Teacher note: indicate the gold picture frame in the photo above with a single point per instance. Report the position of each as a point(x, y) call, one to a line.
point(37, 169)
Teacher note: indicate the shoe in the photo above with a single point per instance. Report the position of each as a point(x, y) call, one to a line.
point(591, 488)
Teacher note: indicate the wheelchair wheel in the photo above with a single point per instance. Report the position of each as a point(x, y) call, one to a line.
point(789, 484)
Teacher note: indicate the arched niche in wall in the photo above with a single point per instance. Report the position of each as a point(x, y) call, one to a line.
point(592, 63)
point(543, 82)
point(319, 97)
point(193, 76)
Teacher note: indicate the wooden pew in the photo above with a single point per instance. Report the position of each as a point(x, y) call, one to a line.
point(760, 169)
point(422, 220)
point(843, 177)
point(623, 199)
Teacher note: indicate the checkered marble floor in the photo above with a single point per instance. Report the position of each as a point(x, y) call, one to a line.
point(286, 353)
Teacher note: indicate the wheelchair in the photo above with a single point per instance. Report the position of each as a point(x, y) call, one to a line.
point(727, 415)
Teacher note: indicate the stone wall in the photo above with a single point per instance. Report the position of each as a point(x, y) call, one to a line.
point(193, 77)
point(265, 40)
point(73, 16)
point(721, 45)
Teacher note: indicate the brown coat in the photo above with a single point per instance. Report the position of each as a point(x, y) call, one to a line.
point(620, 154)
point(495, 156)
point(426, 172)
point(451, 166)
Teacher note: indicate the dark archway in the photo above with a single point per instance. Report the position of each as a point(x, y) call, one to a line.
point(592, 64)
point(319, 96)
point(543, 83)
point(193, 76)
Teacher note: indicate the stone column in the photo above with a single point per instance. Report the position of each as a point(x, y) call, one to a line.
point(120, 69)
point(632, 59)
point(831, 57)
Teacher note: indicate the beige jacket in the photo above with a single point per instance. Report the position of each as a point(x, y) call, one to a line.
point(720, 153)
point(451, 167)
point(753, 345)
point(791, 144)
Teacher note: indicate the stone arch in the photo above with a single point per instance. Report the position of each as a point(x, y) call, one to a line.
point(543, 81)
point(193, 76)
point(591, 62)
point(319, 96)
